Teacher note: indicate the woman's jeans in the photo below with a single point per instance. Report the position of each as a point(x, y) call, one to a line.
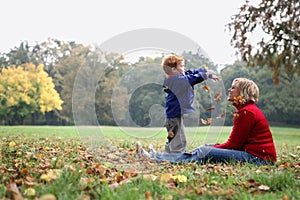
point(210, 154)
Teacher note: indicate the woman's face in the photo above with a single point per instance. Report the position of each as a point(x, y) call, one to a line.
point(233, 91)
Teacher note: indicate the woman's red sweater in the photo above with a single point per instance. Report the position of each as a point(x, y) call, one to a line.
point(251, 133)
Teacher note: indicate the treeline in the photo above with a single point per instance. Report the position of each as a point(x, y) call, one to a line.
point(97, 87)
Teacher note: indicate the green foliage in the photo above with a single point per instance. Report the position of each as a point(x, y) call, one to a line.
point(144, 85)
point(49, 53)
point(112, 67)
point(115, 82)
point(278, 24)
point(64, 78)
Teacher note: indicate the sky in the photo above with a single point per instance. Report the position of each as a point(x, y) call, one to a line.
point(96, 21)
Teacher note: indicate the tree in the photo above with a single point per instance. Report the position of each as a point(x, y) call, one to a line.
point(17, 56)
point(25, 90)
point(50, 53)
point(64, 77)
point(278, 23)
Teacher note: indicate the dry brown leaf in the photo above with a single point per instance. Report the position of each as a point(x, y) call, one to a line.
point(47, 197)
point(171, 134)
point(221, 115)
point(208, 121)
point(218, 96)
point(119, 177)
point(166, 177)
point(264, 187)
point(206, 88)
point(12, 187)
point(148, 195)
point(30, 192)
point(285, 197)
point(203, 121)
point(293, 155)
point(129, 174)
point(149, 177)
point(211, 108)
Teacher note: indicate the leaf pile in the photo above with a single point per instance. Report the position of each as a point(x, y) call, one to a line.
point(63, 168)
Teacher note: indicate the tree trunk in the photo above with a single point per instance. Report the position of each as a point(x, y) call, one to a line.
point(33, 118)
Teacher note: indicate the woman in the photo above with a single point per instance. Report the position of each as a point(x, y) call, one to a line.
point(250, 139)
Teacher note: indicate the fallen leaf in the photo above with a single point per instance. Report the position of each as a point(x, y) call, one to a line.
point(12, 187)
point(84, 197)
point(119, 177)
point(129, 173)
point(180, 178)
point(150, 177)
point(47, 197)
point(12, 144)
point(24, 171)
point(263, 187)
point(30, 192)
point(148, 195)
point(293, 155)
point(166, 177)
point(285, 197)
point(45, 177)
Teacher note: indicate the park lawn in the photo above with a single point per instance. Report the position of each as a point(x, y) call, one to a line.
point(69, 163)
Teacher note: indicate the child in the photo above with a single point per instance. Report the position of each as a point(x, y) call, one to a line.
point(179, 86)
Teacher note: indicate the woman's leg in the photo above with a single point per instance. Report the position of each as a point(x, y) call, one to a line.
point(226, 155)
point(210, 154)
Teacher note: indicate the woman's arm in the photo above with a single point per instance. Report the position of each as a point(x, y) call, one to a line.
point(242, 127)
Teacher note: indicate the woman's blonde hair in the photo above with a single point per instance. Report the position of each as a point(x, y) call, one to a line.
point(248, 89)
point(170, 61)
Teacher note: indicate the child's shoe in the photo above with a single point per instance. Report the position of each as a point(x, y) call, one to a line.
point(151, 149)
point(141, 152)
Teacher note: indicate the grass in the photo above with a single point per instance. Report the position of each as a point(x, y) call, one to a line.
point(69, 163)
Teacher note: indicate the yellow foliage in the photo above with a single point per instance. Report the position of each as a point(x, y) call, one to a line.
point(31, 85)
point(11, 101)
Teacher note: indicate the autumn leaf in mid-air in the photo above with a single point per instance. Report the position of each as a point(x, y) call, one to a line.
point(206, 88)
point(203, 121)
point(221, 115)
point(239, 100)
point(210, 108)
point(218, 96)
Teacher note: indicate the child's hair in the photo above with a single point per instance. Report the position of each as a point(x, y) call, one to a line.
point(248, 89)
point(170, 61)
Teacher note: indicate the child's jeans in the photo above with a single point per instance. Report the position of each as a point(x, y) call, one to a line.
point(176, 135)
